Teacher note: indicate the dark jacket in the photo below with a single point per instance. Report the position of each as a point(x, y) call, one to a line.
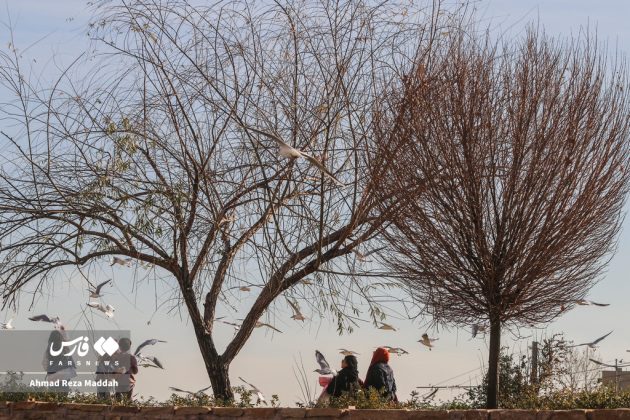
point(381, 377)
point(346, 380)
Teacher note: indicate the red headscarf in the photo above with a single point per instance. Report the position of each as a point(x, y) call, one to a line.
point(380, 355)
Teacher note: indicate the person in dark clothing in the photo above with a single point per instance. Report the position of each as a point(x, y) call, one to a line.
point(125, 367)
point(380, 375)
point(346, 380)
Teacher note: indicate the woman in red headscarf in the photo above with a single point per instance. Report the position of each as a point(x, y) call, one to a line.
point(380, 375)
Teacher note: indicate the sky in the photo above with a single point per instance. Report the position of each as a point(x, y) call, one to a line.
point(55, 32)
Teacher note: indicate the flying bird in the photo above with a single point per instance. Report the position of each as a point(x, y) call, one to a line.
point(396, 350)
point(426, 341)
point(297, 315)
point(108, 310)
point(7, 325)
point(263, 324)
point(477, 328)
point(96, 292)
point(149, 342)
point(234, 324)
point(290, 152)
point(592, 344)
point(348, 352)
point(363, 257)
point(259, 394)
point(244, 289)
point(324, 367)
point(197, 394)
point(121, 261)
point(45, 318)
point(387, 327)
point(584, 302)
point(149, 361)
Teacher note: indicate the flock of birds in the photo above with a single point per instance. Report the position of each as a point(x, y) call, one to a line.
point(144, 360)
point(95, 292)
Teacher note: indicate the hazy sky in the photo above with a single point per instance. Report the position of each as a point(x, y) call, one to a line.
point(268, 360)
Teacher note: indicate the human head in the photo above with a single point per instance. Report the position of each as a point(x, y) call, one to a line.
point(124, 344)
point(380, 355)
point(351, 362)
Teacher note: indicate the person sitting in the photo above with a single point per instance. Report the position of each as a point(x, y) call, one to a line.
point(346, 380)
point(380, 375)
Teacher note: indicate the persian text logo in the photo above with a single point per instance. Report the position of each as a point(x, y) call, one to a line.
point(81, 347)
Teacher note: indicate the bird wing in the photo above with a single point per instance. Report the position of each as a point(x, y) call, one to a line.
point(157, 362)
point(296, 309)
point(264, 324)
point(598, 304)
point(204, 389)
point(321, 167)
point(96, 305)
point(98, 288)
point(601, 338)
point(179, 390)
point(252, 386)
point(141, 346)
point(267, 134)
point(40, 318)
point(321, 360)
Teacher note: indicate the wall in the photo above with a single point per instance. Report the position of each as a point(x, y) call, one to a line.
point(37, 410)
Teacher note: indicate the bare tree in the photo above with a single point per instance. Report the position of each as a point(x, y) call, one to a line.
point(165, 150)
point(514, 158)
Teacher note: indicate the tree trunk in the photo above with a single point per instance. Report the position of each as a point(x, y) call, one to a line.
point(216, 367)
point(493, 364)
point(219, 378)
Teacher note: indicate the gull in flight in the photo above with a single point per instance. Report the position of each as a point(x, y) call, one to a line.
point(149, 361)
point(324, 367)
point(592, 344)
point(234, 324)
point(297, 315)
point(7, 325)
point(149, 342)
point(363, 257)
point(426, 341)
point(584, 302)
point(348, 352)
point(263, 324)
point(387, 327)
point(399, 351)
point(96, 292)
point(108, 310)
point(45, 318)
point(197, 394)
point(287, 151)
point(259, 394)
point(122, 261)
point(477, 328)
